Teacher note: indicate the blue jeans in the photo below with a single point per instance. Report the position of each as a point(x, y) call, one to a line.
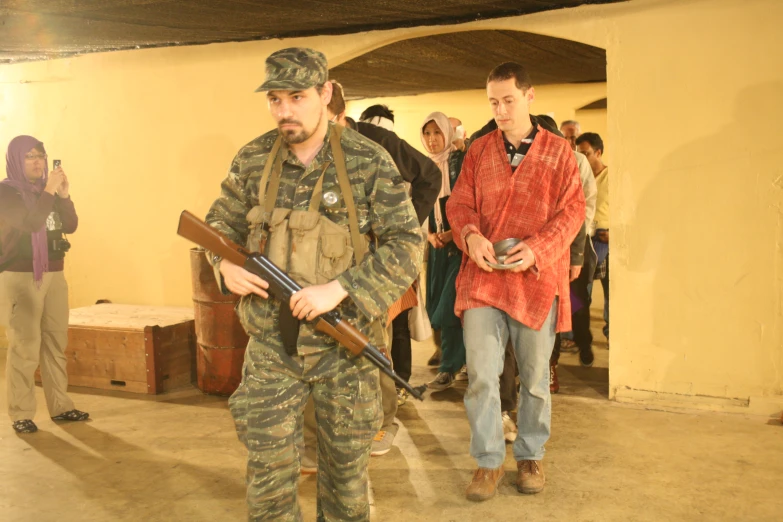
point(486, 332)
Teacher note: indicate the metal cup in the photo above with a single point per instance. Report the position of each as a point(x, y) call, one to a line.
point(503, 246)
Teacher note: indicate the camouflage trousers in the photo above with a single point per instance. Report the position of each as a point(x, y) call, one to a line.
point(268, 410)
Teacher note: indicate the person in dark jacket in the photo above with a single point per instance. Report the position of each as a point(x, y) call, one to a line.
point(378, 115)
point(415, 168)
point(35, 212)
point(425, 180)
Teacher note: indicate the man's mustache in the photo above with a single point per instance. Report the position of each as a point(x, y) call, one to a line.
point(284, 122)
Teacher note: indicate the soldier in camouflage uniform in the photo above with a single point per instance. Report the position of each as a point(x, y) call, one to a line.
point(268, 405)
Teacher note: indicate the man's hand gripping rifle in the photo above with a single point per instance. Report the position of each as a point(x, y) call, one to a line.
point(283, 287)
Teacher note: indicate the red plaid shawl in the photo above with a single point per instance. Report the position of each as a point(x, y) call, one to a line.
point(541, 202)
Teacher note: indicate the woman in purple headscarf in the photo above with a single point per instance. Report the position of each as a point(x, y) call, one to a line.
point(35, 211)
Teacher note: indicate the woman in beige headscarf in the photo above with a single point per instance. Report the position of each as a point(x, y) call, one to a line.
point(444, 256)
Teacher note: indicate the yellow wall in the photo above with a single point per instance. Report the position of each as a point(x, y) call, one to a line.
point(697, 187)
point(697, 207)
point(142, 135)
point(472, 107)
point(593, 120)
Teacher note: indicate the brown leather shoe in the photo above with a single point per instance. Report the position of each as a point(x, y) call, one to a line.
point(484, 484)
point(530, 476)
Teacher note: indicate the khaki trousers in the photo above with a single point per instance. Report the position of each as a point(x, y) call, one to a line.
point(37, 328)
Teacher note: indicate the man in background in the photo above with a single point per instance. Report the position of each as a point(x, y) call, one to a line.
point(379, 115)
point(571, 131)
point(591, 145)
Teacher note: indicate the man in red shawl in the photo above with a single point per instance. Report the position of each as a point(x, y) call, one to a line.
point(520, 181)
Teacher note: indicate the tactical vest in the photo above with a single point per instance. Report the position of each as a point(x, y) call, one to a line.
point(306, 244)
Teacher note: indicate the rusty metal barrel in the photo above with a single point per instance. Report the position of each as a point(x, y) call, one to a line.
point(221, 338)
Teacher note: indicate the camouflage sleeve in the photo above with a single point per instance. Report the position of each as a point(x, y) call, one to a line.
point(381, 279)
point(228, 213)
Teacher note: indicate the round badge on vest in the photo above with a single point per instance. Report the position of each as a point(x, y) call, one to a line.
point(331, 199)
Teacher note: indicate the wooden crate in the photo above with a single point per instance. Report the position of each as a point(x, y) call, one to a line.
point(138, 349)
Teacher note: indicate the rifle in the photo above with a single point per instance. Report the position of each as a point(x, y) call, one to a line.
point(283, 287)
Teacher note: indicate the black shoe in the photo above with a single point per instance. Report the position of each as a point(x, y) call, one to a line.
point(73, 415)
point(25, 426)
point(586, 357)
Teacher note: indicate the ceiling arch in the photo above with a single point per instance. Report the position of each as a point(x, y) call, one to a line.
point(597, 104)
point(462, 61)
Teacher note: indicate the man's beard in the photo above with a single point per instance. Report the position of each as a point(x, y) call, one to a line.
point(293, 137)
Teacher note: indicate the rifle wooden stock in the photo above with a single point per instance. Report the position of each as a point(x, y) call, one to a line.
point(345, 334)
point(283, 287)
point(192, 228)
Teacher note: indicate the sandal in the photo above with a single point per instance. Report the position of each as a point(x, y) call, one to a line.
point(25, 426)
point(568, 346)
point(73, 415)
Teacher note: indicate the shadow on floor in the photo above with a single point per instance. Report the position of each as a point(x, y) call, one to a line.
point(117, 473)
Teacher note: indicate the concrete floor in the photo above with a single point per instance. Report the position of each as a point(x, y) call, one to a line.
point(175, 457)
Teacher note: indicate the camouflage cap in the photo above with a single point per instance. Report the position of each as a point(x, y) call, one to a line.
point(293, 69)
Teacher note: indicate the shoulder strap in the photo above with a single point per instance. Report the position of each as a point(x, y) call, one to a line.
point(359, 246)
point(315, 199)
point(272, 159)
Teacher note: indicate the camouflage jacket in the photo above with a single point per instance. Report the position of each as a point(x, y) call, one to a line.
point(384, 210)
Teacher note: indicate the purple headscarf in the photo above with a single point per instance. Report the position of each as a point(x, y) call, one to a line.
point(14, 167)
